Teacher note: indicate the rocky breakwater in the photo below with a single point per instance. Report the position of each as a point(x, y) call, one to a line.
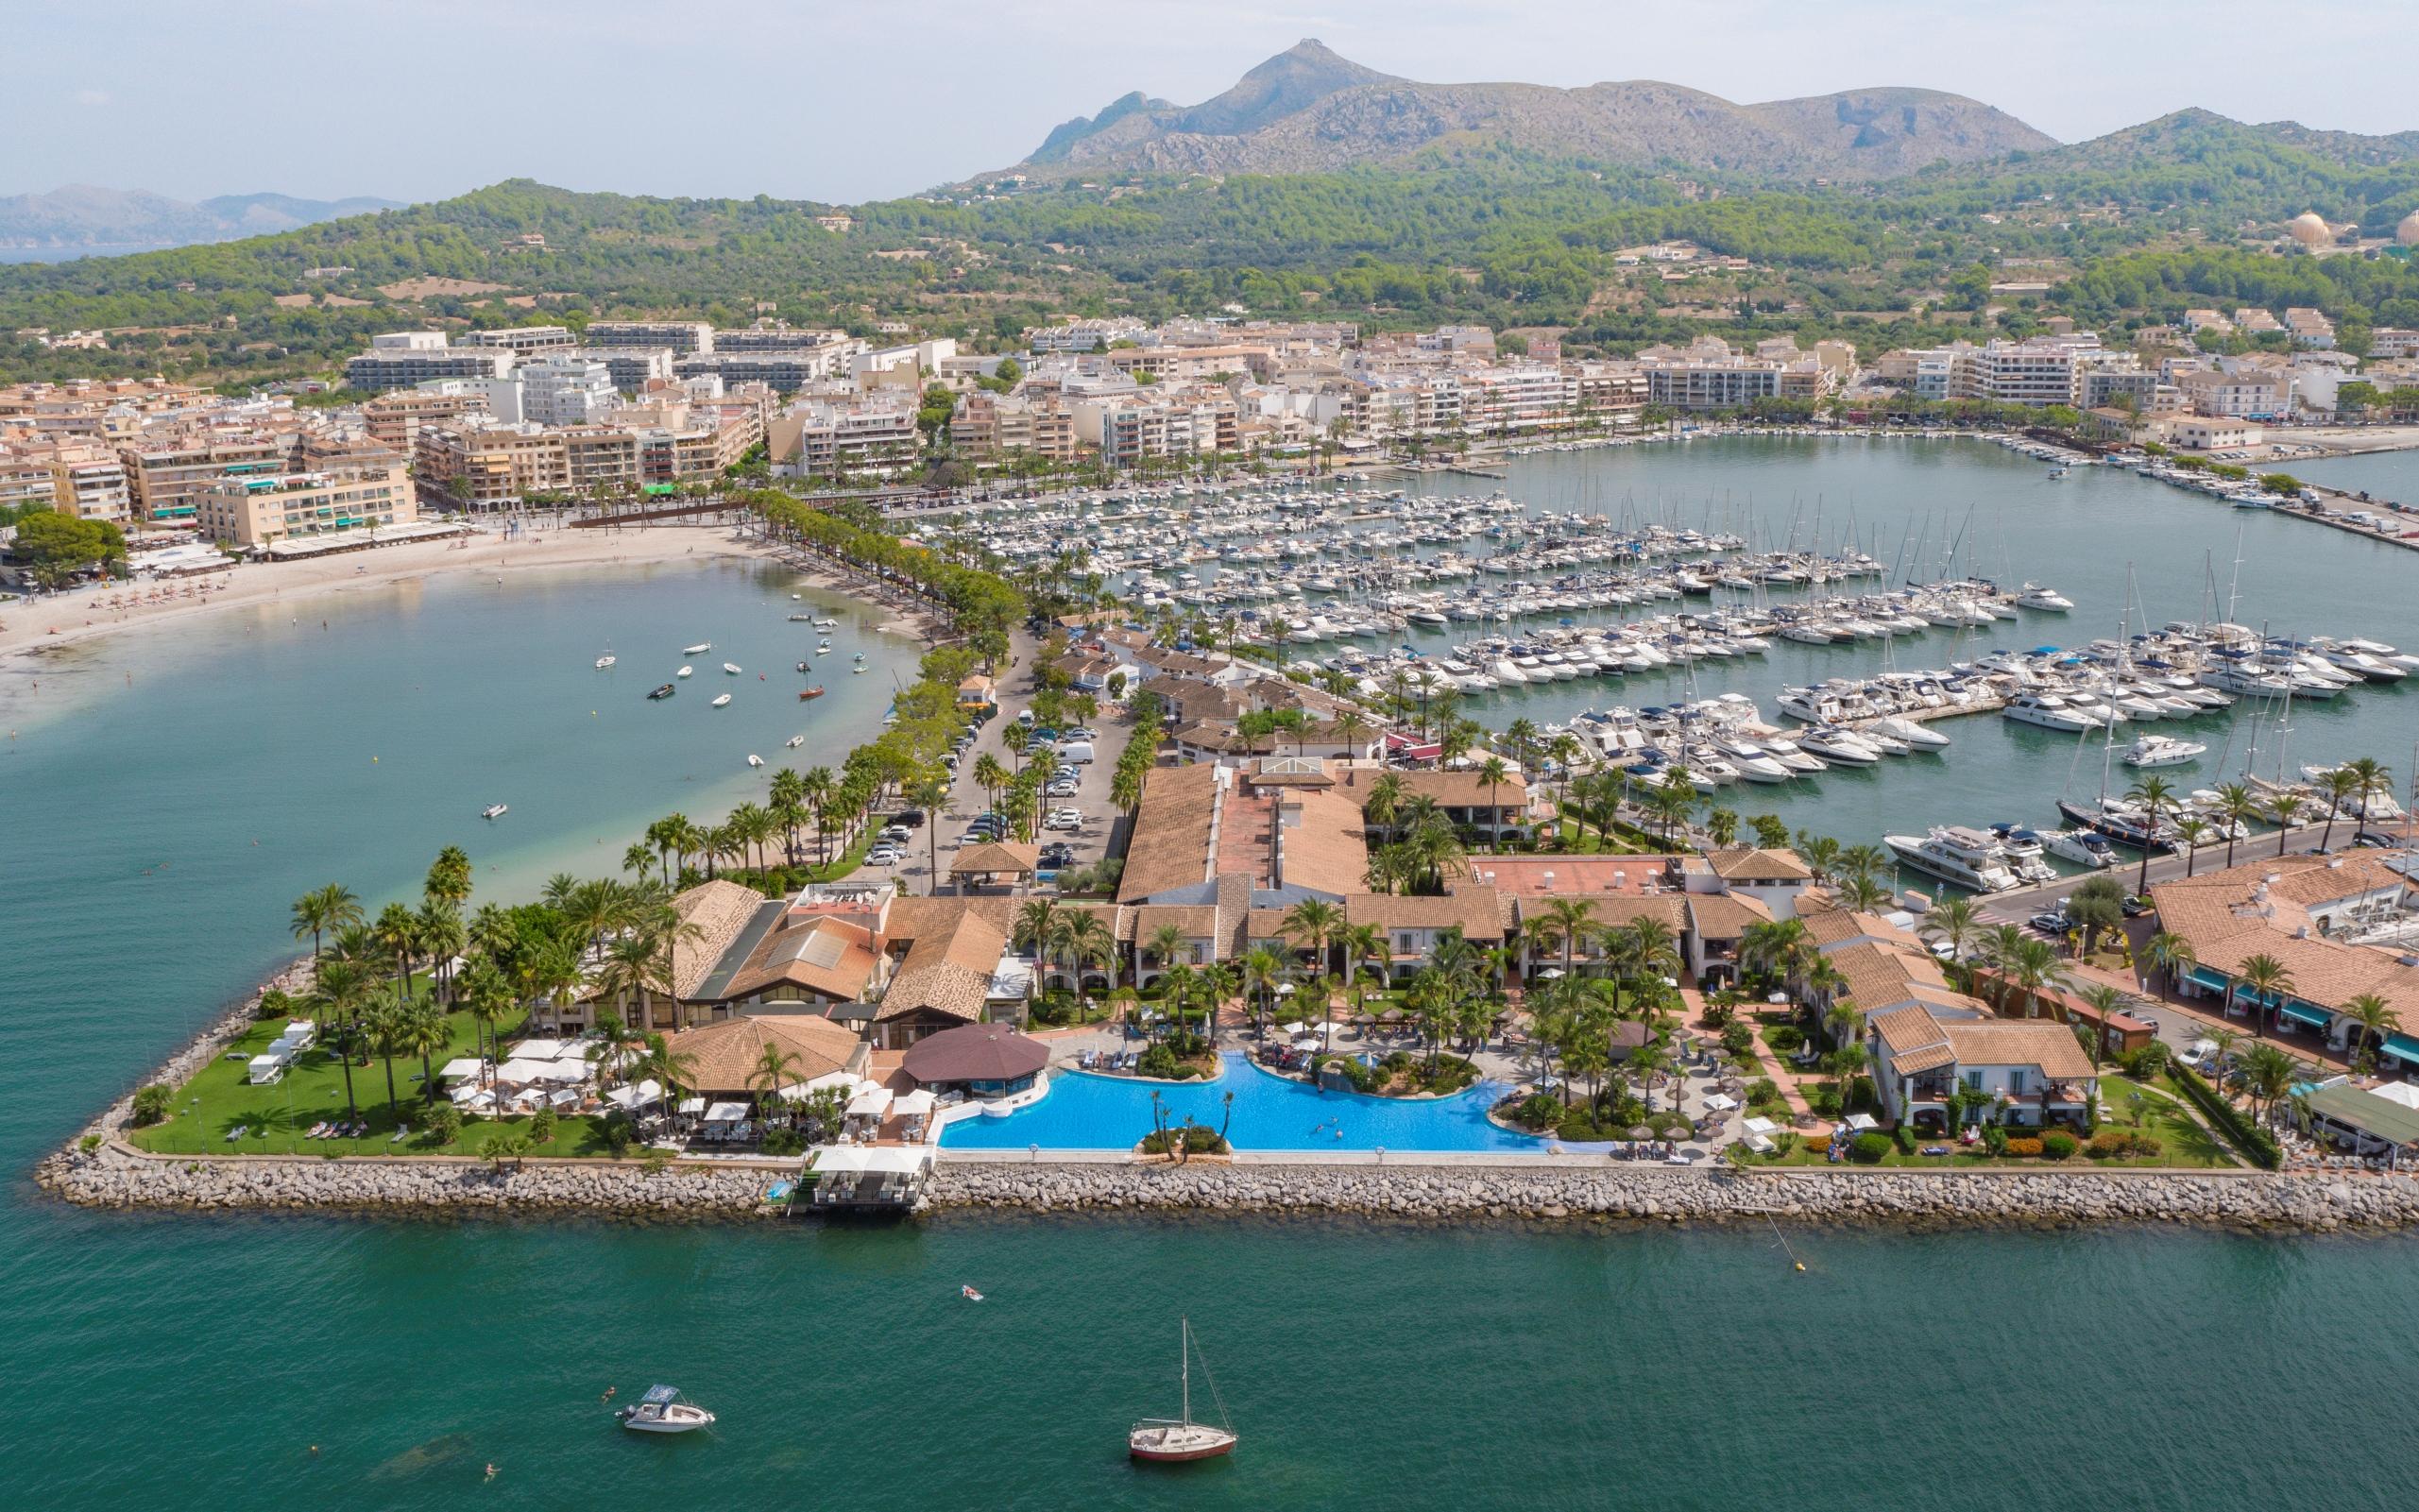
point(113, 1175)
point(1958, 1198)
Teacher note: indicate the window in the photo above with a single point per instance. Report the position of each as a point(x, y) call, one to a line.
point(1973, 1081)
point(2015, 1083)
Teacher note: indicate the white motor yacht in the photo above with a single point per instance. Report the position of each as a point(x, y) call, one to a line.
point(2161, 750)
point(723, 700)
point(1956, 854)
point(1921, 737)
point(1835, 744)
point(732, 667)
point(2049, 712)
point(698, 650)
point(1753, 762)
point(2082, 847)
point(2036, 596)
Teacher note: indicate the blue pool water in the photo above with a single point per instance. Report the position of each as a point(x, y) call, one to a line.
point(1086, 1112)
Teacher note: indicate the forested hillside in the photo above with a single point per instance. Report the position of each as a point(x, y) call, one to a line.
point(2180, 211)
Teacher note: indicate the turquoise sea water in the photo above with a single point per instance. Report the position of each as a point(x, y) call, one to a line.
point(1269, 1113)
point(194, 1362)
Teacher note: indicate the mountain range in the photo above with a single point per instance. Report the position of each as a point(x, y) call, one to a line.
point(84, 215)
point(1308, 110)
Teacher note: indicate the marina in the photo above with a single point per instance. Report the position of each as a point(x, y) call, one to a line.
point(1807, 626)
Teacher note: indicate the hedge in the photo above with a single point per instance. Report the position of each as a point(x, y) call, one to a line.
point(2257, 1145)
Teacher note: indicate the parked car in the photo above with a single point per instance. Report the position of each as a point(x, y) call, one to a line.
point(2051, 923)
point(911, 818)
point(885, 856)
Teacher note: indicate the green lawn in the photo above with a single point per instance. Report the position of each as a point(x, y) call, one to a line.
point(275, 1118)
point(2164, 1116)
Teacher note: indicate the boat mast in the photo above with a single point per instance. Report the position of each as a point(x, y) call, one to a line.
point(1184, 1369)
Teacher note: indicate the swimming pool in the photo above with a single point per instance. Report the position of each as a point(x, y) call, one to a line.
point(1087, 1112)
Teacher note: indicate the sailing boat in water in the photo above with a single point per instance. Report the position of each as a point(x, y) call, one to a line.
point(1168, 1440)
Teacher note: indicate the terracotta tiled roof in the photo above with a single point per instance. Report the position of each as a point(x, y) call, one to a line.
point(1170, 844)
point(1725, 916)
point(948, 970)
point(1474, 911)
point(2219, 915)
point(1323, 851)
point(1009, 857)
point(1198, 921)
point(1615, 911)
point(1449, 789)
point(913, 918)
point(1755, 864)
point(2039, 1042)
point(719, 911)
point(1830, 927)
point(824, 956)
point(725, 1055)
point(1880, 979)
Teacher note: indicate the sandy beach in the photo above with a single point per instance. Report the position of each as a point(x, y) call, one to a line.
point(37, 624)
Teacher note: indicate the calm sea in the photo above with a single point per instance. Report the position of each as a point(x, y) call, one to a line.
point(197, 1362)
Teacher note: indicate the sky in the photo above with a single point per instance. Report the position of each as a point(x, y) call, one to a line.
point(847, 100)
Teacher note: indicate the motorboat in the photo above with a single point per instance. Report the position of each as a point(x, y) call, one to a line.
point(755, 760)
point(1174, 1440)
point(663, 691)
point(1908, 732)
point(795, 741)
point(861, 671)
point(2161, 750)
point(2035, 596)
point(2081, 846)
point(2049, 712)
point(723, 700)
point(495, 810)
point(2023, 850)
point(801, 618)
point(663, 1410)
point(732, 667)
point(1835, 744)
point(2121, 821)
point(805, 693)
point(603, 662)
point(685, 671)
point(1955, 853)
point(698, 650)
point(826, 624)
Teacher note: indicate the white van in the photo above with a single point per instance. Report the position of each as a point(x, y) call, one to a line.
point(1077, 752)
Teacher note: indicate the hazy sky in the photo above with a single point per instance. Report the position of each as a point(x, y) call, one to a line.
point(851, 99)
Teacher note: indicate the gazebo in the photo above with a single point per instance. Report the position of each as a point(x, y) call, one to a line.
point(984, 865)
point(986, 1062)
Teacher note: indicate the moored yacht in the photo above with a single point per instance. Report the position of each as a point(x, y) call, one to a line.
point(1956, 854)
point(2049, 712)
point(2161, 750)
point(2082, 847)
point(663, 1411)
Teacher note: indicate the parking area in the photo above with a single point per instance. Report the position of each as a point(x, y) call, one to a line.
point(1077, 820)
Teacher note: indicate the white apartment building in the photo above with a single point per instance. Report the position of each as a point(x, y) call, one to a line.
point(405, 358)
point(681, 336)
point(261, 510)
point(631, 368)
point(564, 390)
point(821, 437)
point(1517, 397)
point(522, 341)
point(2040, 370)
point(2247, 393)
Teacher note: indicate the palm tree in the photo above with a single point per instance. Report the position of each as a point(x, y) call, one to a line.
point(397, 933)
point(1363, 943)
point(2376, 781)
point(775, 1068)
point(1566, 922)
point(1037, 928)
point(2156, 796)
point(673, 1070)
point(1492, 772)
point(2376, 1021)
point(1312, 924)
point(1819, 851)
point(2031, 968)
point(1166, 944)
point(2171, 954)
point(315, 912)
point(2267, 978)
point(2194, 832)
point(1783, 948)
point(423, 1032)
point(2103, 1001)
point(1262, 970)
point(2237, 808)
point(337, 993)
point(2268, 1075)
point(1088, 941)
point(1954, 920)
point(449, 876)
point(384, 1022)
point(2339, 784)
point(2281, 810)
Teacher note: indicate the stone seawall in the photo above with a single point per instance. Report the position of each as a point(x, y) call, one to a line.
point(115, 1175)
point(1950, 1198)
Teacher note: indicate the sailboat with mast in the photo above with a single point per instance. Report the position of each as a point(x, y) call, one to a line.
point(1174, 1440)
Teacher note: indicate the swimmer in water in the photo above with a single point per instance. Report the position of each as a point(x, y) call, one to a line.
point(491, 1471)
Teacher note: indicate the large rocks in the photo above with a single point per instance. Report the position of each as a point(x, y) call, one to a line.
point(1662, 1193)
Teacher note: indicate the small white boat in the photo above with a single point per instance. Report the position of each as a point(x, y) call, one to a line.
point(495, 811)
point(720, 702)
point(603, 662)
point(732, 667)
point(826, 624)
point(685, 671)
point(755, 760)
point(663, 1411)
point(795, 741)
point(698, 650)
point(1908, 732)
point(861, 671)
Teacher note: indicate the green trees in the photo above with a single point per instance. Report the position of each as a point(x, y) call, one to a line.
point(55, 544)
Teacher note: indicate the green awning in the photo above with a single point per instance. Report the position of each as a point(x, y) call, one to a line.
point(2402, 1048)
point(2315, 1018)
point(2214, 980)
point(2378, 1117)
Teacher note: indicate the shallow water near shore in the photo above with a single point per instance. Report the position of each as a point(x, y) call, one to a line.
point(195, 1360)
